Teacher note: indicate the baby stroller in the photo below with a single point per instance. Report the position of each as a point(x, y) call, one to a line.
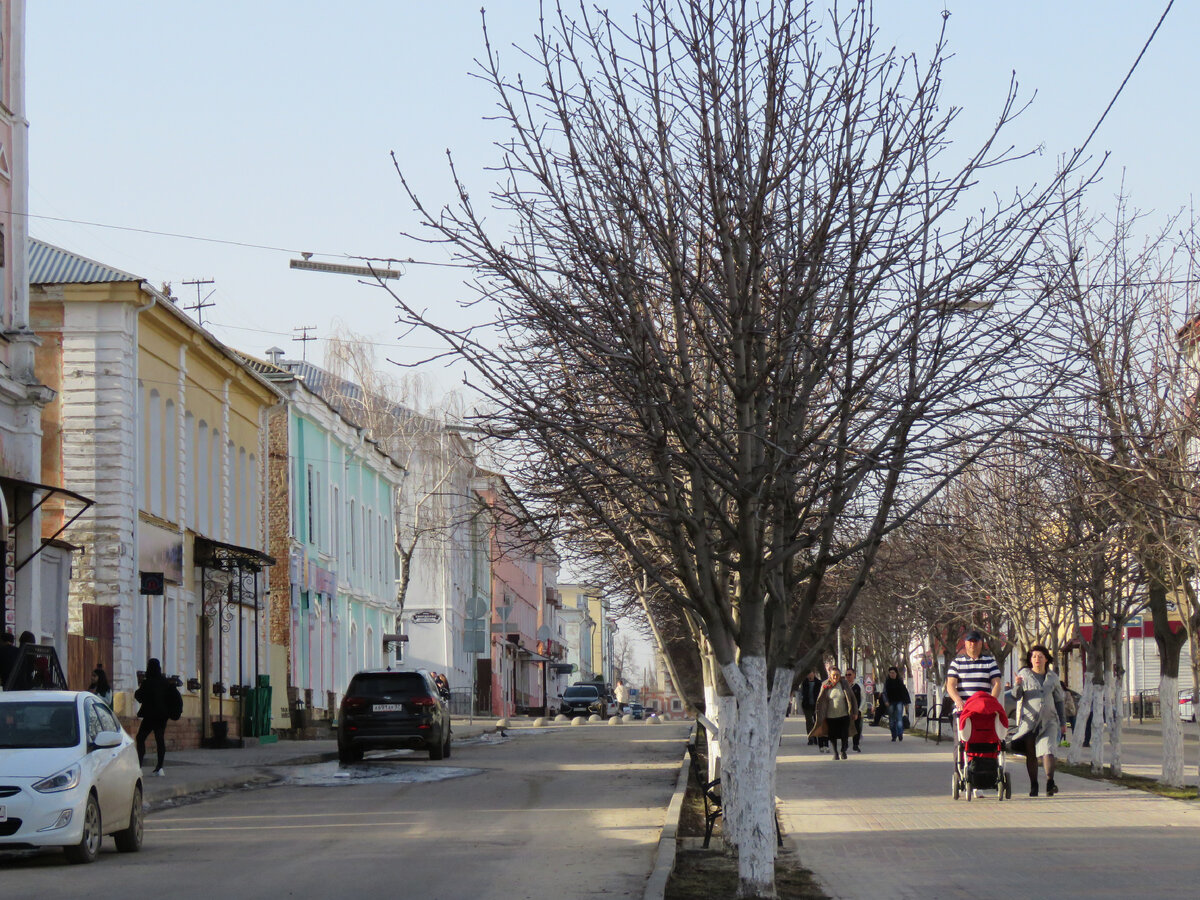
point(979, 749)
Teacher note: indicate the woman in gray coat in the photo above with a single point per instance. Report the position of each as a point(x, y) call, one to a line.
point(1041, 721)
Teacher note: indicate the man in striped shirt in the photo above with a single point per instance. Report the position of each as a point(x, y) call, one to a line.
point(972, 672)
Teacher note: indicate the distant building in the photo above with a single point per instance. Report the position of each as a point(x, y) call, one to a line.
point(332, 503)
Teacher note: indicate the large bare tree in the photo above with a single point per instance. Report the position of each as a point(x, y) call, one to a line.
point(748, 311)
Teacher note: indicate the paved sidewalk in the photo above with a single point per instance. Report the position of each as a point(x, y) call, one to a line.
point(882, 824)
point(191, 772)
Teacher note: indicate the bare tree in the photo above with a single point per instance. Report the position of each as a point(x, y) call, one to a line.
point(436, 500)
point(1129, 420)
point(740, 311)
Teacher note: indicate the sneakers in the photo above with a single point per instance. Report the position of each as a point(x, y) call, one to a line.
point(157, 773)
point(893, 739)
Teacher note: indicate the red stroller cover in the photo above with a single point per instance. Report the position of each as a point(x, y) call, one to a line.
point(978, 720)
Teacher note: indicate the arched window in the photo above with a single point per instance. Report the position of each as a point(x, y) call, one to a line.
point(171, 462)
point(254, 502)
point(188, 464)
point(243, 499)
point(203, 480)
point(154, 488)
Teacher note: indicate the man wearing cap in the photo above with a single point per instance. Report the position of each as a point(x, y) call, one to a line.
point(972, 672)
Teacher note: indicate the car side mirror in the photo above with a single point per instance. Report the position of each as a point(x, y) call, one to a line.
point(107, 739)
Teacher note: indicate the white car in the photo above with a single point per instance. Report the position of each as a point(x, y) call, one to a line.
point(69, 775)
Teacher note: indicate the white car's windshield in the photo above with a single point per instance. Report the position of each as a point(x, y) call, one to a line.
point(42, 724)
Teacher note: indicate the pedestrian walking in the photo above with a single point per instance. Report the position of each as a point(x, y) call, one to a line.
point(810, 690)
point(972, 671)
point(856, 724)
point(836, 710)
point(161, 702)
point(896, 696)
point(1041, 716)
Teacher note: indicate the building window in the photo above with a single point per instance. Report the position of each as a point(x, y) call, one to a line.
point(311, 489)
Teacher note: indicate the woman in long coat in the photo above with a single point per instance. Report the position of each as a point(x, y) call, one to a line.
point(1041, 718)
point(837, 709)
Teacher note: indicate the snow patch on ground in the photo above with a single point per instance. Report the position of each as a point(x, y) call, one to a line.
point(383, 769)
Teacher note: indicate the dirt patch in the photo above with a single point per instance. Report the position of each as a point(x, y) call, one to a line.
point(713, 874)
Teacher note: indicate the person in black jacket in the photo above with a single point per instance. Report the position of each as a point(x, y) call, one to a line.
point(158, 699)
point(895, 695)
point(810, 689)
point(856, 725)
point(8, 655)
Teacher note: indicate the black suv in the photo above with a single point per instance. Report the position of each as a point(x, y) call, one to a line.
point(385, 709)
point(584, 700)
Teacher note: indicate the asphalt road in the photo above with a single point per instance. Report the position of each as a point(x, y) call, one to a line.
point(570, 812)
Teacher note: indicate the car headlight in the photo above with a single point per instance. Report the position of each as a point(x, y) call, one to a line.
point(59, 781)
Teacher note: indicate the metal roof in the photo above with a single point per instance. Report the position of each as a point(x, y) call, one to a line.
point(53, 265)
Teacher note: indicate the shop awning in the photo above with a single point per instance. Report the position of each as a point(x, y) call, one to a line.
point(16, 485)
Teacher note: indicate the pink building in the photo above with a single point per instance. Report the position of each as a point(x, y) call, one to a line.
point(516, 676)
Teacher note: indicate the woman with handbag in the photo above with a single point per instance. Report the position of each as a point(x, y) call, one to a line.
point(836, 711)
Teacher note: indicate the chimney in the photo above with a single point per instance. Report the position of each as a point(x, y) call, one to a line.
point(275, 355)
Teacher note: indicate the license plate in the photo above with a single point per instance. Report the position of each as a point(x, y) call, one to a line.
point(387, 707)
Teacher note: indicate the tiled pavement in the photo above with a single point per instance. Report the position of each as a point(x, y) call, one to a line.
point(883, 825)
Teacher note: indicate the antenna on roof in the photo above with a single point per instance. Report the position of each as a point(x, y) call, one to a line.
point(201, 303)
point(304, 338)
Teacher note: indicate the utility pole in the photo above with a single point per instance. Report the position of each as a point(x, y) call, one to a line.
point(304, 338)
point(201, 303)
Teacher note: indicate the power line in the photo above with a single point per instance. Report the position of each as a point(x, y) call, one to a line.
point(232, 243)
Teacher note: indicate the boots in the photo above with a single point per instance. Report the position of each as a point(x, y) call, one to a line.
point(1033, 789)
point(1051, 787)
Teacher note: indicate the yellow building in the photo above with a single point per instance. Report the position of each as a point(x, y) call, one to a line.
point(166, 429)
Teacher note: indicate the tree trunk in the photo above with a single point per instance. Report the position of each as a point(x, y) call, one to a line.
point(753, 737)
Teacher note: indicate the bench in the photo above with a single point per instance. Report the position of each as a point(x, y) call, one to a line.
point(712, 796)
point(945, 717)
point(710, 790)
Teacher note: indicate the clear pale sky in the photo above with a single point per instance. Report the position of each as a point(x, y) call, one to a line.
point(271, 123)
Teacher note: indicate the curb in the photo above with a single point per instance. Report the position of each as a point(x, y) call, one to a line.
point(664, 858)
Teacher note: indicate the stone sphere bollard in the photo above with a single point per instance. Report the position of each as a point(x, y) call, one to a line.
point(561, 718)
point(626, 719)
point(593, 718)
point(579, 720)
point(614, 720)
point(502, 723)
point(653, 720)
point(540, 722)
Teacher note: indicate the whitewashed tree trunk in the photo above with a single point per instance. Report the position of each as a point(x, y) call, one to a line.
point(756, 738)
point(1092, 703)
point(1172, 731)
point(1114, 719)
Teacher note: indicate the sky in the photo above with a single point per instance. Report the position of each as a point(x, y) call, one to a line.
point(267, 128)
point(272, 124)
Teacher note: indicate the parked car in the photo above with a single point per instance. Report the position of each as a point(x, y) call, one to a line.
point(387, 709)
point(69, 775)
point(583, 700)
point(637, 710)
point(1187, 707)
